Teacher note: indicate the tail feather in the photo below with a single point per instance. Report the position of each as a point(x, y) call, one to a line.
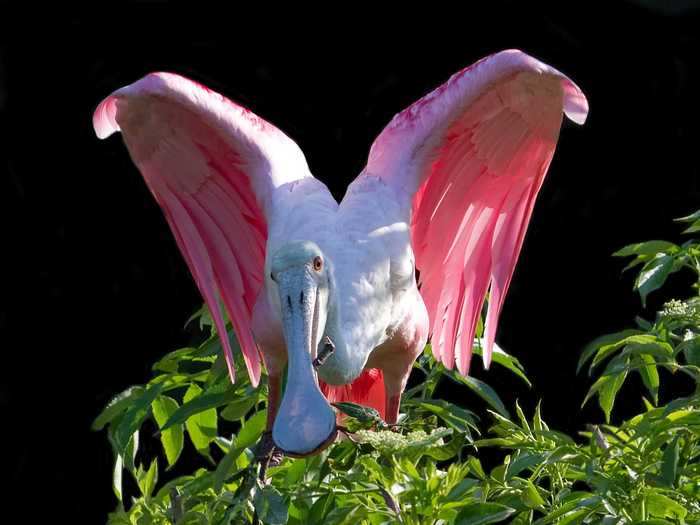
point(367, 390)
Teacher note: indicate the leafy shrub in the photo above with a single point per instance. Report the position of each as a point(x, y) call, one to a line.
point(427, 470)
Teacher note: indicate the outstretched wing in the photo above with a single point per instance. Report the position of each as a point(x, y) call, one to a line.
point(212, 166)
point(467, 162)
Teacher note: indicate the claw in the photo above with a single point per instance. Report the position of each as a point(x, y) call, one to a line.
point(267, 454)
point(265, 446)
point(275, 458)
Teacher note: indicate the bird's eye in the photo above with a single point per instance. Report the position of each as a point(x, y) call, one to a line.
point(318, 263)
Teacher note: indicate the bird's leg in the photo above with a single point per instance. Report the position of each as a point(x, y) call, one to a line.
point(393, 403)
point(395, 358)
point(266, 452)
point(273, 399)
point(395, 376)
point(393, 390)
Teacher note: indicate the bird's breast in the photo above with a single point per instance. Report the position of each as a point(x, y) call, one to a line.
point(368, 252)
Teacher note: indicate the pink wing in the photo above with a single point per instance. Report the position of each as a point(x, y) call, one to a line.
point(213, 167)
point(467, 162)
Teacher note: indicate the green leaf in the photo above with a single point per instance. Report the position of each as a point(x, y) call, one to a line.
point(659, 349)
point(669, 463)
point(689, 218)
point(201, 426)
point(643, 323)
point(249, 434)
point(537, 423)
point(501, 358)
point(524, 460)
point(201, 312)
point(476, 468)
point(530, 497)
point(653, 275)
point(573, 501)
point(691, 351)
point(638, 340)
point(350, 514)
point(132, 448)
point(523, 518)
point(198, 402)
point(453, 415)
point(458, 493)
point(117, 476)
point(573, 518)
point(295, 471)
point(444, 451)
point(483, 390)
point(523, 420)
point(608, 392)
point(650, 376)
point(483, 513)
point(223, 443)
point(298, 512)
point(664, 507)
point(252, 429)
point(647, 248)
point(134, 416)
point(192, 517)
point(116, 406)
point(238, 408)
point(169, 362)
point(270, 506)
point(202, 481)
point(695, 227)
point(147, 479)
point(173, 438)
point(609, 339)
point(319, 510)
point(640, 259)
point(694, 218)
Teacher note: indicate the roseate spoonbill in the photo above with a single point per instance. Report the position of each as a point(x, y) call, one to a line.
point(327, 289)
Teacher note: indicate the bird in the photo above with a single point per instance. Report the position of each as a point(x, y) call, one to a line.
point(344, 296)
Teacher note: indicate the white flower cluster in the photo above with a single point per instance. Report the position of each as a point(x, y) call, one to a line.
point(391, 442)
point(675, 308)
point(683, 311)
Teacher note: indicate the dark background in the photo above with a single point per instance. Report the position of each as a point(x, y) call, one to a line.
point(94, 289)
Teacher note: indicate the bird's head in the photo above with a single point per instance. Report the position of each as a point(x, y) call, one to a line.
point(305, 422)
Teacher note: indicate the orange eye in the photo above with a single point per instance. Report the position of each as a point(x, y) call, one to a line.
point(318, 263)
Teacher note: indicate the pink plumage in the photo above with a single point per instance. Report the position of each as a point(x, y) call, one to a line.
point(449, 188)
point(468, 160)
point(367, 390)
point(205, 160)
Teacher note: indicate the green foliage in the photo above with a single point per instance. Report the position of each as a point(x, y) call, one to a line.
point(429, 469)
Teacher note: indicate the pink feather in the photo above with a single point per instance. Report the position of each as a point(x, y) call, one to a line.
point(467, 161)
point(367, 390)
point(212, 166)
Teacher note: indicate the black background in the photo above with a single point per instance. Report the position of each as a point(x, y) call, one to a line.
point(94, 289)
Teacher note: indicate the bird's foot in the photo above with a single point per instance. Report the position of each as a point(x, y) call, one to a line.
point(267, 454)
point(275, 458)
point(265, 446)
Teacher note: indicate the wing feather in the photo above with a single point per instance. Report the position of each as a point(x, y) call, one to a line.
point(467, 162)
point(213, 167)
